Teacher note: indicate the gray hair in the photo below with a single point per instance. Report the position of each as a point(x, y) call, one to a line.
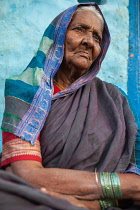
point(92, 9)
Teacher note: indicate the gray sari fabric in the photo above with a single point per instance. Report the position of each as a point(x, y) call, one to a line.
point(91, 128)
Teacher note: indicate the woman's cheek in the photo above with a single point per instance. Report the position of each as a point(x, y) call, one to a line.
point(97, 51)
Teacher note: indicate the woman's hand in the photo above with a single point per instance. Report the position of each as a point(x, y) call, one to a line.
point(65, 181)
point(89, 204)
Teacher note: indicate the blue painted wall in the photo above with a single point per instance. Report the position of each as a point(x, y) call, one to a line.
point(22, 23)
point(134, 68)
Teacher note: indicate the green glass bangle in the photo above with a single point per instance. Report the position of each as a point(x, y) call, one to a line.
point(106, 185)
point(110, 183)
point(115, 180)
point(107, 203)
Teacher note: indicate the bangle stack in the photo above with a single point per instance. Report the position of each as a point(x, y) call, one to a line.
point(111, 188)
point(108, 203)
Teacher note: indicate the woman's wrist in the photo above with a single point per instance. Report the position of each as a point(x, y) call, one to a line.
point(130, 185)
point(117, 187)
point(111, 189)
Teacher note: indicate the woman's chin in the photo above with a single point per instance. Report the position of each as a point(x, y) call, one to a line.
point(82, 65)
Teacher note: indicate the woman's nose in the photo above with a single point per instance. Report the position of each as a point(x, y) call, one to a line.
point(88, 39)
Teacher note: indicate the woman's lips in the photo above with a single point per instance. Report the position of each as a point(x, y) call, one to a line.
point(83, 54)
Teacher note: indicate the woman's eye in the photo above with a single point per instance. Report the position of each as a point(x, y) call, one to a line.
point(79, 29)
point(97, 38)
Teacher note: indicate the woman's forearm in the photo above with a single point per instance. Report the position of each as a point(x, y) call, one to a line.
point(66, 181)
point(81, 184)
point(71, 182)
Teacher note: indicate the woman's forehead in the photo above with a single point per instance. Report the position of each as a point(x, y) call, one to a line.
point(85, 17)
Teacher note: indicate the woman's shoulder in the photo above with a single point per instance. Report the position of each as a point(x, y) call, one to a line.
point(108, 90)
point(109, 87)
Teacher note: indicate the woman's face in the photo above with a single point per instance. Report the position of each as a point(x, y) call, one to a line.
point(83, 39)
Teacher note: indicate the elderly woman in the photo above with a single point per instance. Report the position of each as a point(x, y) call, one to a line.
point(64, 130)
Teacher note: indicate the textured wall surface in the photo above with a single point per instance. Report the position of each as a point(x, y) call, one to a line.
point(114, 68)
point(22, 23)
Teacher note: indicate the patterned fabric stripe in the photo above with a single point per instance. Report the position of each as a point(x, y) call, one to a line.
point(13, 104)
point(49, 32)
point(19, 158)
point(11, 115)
point(45, 45)
point(46, 42)
point(15, 148)
point(20, 90)
point(133, 169)
point(28, 76)
point(8, 122)
point(18, 146)
point(6, 136)
point(6, 130)
point(35, 62)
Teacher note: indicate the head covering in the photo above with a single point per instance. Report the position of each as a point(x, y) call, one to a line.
point(29, 95)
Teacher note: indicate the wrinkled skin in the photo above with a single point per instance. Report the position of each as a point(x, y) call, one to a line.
point(82, 47)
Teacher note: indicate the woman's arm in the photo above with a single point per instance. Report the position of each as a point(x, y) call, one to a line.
point(75, 186)
point(81, 184)
point(24, 160)
point(65, 181)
